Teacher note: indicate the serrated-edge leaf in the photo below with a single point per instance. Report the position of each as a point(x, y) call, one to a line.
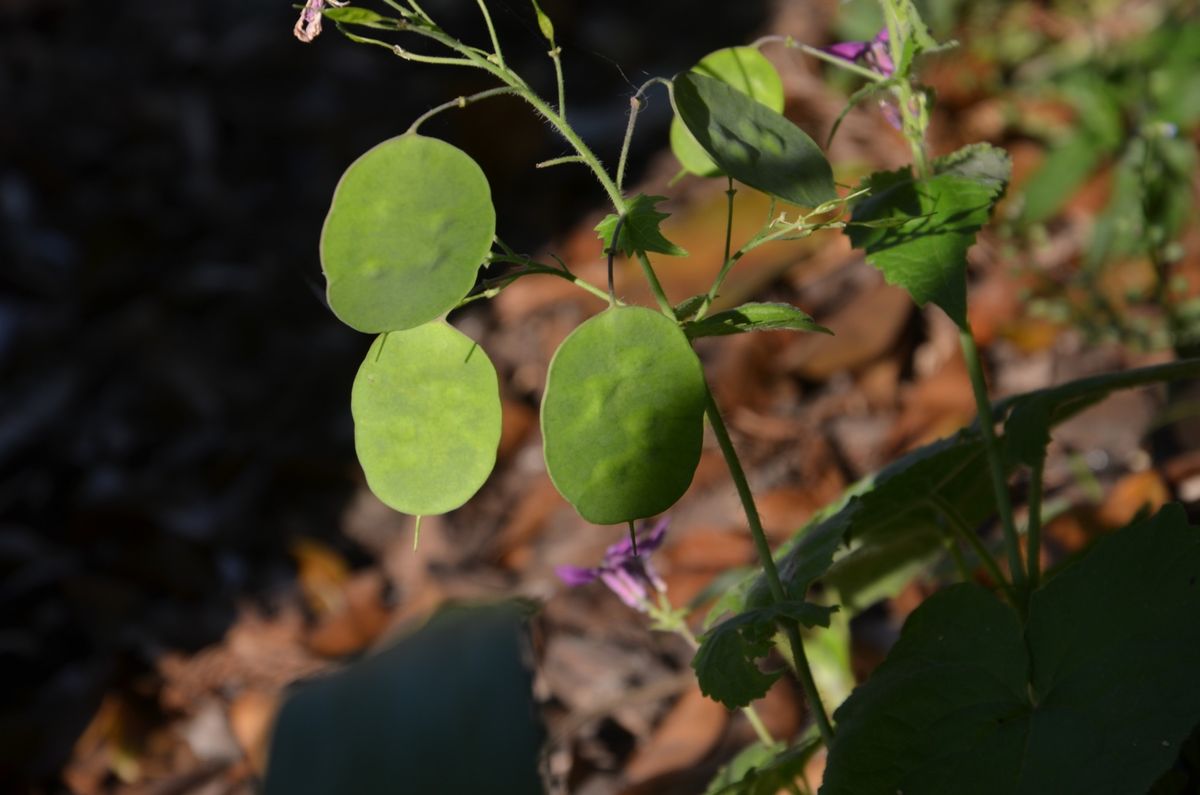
point(640, 230)
point(754, 317)
point(983, 163)
point(726, 662)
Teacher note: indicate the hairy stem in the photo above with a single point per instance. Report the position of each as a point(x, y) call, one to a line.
point(487, 18)
point(791, 627)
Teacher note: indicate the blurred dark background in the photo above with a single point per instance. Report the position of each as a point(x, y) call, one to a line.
point(174, 395)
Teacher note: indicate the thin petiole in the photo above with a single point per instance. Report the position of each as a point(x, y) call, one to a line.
point(487, 18)
point(459, 103)
point(730, 192)
point(841, 63)
point(964, 533)
point(995, 464)
point(635, 104)
point(1033, 530)
point(790, 627)
point(560, 161)
point(612, 250)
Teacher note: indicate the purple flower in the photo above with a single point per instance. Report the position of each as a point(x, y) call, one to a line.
point(874, 53)
point(625, 573)
point(308, 26)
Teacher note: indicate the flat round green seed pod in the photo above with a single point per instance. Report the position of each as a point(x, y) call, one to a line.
point(747, 70)
point(623, 415)
point(426, 408)
point(410, 224)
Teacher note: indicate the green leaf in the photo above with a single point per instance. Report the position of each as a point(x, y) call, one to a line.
point(352, 15)
point(1095, 695)
point(753, 317)
point(449, 709)
point(1032, 415)
point(726, 662)
point(764, 769)
point(983, 163)
point(426, 408)
point(688, 307)
point(410, 224)
point(544, 23)
point(743, 68)
point(932, 223)
point(752, 143)
point(623, 415)
point(640, 230)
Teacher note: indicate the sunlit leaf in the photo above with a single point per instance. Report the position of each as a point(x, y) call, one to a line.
point(754, 317)
point(623, 415)
point(1095, 694)
point(745, 69)
point(426, 407)
point(752, 143)
point(410, 224)
point(639, 230)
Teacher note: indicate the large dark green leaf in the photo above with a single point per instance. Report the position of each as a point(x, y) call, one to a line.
point(623, 415)
point(752, 143)
point(1094, 696)
point(447, 710)
point(426, 406)
point(764, 769)
point(410, 224)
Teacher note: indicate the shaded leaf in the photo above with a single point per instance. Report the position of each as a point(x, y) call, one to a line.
point(754, 317)
point(410, 224)
point(449, 709)
point(426, 406)
point(623, 415)
point(1095, 695)
point(688, 307)
point(726, 663)
point(640, 230)
point(752, 143)
point(743, 68)
point(764, 769)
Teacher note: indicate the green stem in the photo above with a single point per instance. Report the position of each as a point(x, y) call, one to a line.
point(791, 628)
point(996, 466)
point(960, 529)
point(960, 562)
point(841, 63)
point(655, 286)
point(729, 261)
point(1033, 532)
point(460, 102)
point(635, 105)
point(556, 56)
point(487, 18)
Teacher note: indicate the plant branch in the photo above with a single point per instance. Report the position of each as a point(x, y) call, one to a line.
point(791, 627)
point(459, 103)
point(1033, 530)
point(995, 465)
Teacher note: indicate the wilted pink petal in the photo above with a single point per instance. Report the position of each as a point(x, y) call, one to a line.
point(875, 53)
point(628, 589)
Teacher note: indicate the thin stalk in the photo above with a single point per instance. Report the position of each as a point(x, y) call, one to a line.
point(635, 104)
point(995, 464)
point(728, 262)
point(493, 286)
point(1033, 532)
point(460, 102)
point(960, 529)
point(560, 161)
point(655, 285)
point(791, 628)
point(841, 63)
point(556, 56)
point(960, 562)
point(487, 18)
